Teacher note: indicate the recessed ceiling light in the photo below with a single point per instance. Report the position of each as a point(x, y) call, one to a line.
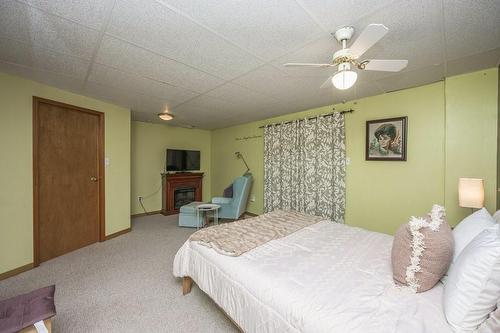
point(166, 116)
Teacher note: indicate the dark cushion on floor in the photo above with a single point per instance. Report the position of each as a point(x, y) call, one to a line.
point(23, 311)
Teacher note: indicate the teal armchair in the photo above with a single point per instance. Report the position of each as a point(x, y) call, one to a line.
point(233, 208)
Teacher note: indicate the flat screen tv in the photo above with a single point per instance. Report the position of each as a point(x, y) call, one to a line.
point(183, 160)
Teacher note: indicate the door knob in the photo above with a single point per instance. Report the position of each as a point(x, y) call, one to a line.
point(94, 179)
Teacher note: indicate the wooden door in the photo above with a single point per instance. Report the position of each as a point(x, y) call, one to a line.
point(68, 178)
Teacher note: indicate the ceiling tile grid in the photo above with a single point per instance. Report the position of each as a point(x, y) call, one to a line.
point(415, 34)
point(24, 54)
point(51, 78)
point(152, 25)
point(319, 51)
point(216, 63)
point(266, 32)
point(412, 78)
point(91, 13)
point(131, 83)
point(336, 14)
point(134, 101)
point(27, 24)
point(240, 96)
point(127, 57)
point(471, 27)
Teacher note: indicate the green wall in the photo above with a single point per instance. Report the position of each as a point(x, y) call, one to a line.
point(471, 135)
point(149, 142)
point(16, 176)
point(383, 195)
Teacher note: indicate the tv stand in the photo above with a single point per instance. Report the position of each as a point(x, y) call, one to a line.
point(179, 189)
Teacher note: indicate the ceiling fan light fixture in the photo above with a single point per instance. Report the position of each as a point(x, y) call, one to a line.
point(165, 116)
point(344, 78)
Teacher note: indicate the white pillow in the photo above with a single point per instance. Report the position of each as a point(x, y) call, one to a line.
point(492, 323)
point(469, 228)
point(473, 286)
point(496, 216)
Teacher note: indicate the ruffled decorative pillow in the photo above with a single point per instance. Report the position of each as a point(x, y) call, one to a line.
point(422, 251)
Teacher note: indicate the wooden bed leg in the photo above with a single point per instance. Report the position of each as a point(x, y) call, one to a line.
point(187, 283)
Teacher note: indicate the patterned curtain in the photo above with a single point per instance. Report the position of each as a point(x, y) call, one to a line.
point(304, 166)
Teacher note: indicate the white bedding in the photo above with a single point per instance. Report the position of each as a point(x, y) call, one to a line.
point(327, 277)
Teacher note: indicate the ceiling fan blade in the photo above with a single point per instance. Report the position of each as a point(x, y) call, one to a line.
point(327, 83)
point(385, 65)
point(300, 64)
point(372, 34)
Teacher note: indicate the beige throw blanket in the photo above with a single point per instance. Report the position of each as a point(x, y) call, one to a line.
point(236, 238)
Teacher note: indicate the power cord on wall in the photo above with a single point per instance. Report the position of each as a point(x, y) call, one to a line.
point(141, 198)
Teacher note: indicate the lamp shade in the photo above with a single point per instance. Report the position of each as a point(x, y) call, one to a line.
point(471, 192)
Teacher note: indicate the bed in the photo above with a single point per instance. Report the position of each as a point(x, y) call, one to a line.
point(326, 277)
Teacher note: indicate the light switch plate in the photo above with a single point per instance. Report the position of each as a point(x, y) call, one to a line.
point(347, 161)
point(107, 162)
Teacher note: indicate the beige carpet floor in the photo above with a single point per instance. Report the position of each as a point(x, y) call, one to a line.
point(124, 285)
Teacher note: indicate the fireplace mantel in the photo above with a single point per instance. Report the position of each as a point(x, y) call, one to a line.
point(175, 181)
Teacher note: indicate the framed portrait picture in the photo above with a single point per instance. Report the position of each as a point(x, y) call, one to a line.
point(386, 139)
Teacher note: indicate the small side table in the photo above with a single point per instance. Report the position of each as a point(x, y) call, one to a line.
point(205, 209)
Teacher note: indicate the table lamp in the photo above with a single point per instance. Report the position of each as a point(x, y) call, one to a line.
point(471, 193)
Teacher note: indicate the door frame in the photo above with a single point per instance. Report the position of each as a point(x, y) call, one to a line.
point(100, 153)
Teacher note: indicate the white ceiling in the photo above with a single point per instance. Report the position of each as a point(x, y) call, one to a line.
point(216, 63)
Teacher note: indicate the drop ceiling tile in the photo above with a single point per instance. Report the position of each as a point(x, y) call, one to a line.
point(129, 58)
point(473, 63)
point(111, 94)
point(201, 117)
point(265, 79)
point(151, 25)
point(136, 102)
point(134, 83)
point(212, 105)
point(144, 117)
point(336, 14)
point(312, 100)
point(412, 79)
point(471, 27)
point(91, 13)
point(24, 23)
point(241, 96)
point(261, 26)
point(53, 79)
point(38, 45)
point(150, 104)
point(415, 34)
point(273, 82)
point(365, 89)
point(279, 110)
point(319, 51)
point(43, 59)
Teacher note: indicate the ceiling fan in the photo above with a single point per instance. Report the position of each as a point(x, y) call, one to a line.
point(345, 78)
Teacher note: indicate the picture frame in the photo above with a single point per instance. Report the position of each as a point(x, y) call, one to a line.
point(386, 139)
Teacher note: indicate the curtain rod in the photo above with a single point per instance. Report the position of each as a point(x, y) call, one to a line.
point(321, 115)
